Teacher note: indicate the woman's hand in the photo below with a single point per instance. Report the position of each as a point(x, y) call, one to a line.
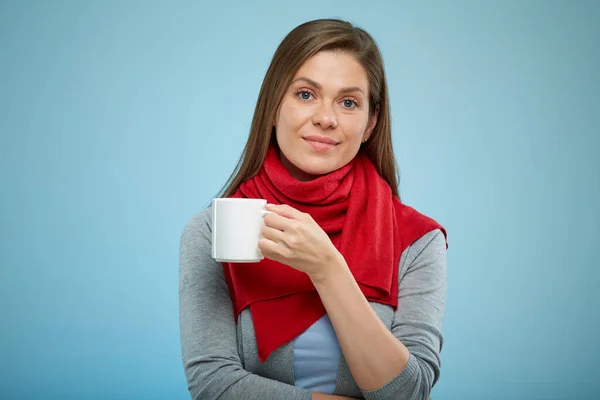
point(295, 239)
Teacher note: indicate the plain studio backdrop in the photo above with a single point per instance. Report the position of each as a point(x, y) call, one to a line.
point(120, 120)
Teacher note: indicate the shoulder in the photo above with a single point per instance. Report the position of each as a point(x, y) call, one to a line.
point(195, 249)
point(408, 216)
point(433, 242)
point(417, 229)
point(423, 265)
point(198, 229)
point(201, 221)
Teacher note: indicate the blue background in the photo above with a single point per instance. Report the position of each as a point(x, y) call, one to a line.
point(120, 120)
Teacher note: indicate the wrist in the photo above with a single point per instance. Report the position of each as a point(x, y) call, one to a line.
point(331, 268)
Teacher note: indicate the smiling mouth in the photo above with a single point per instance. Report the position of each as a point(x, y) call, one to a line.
point(320, 145)
point(321, 139)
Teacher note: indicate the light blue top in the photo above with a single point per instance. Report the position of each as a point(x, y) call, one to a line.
point(317, 357)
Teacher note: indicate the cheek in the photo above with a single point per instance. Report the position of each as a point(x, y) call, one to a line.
point(292, 116)
point(285, 115)
point(285, 125)
point(355, 127)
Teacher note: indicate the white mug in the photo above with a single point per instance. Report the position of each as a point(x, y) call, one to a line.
point(236, 229)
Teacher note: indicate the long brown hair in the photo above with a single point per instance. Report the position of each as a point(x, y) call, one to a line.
point(299, 45)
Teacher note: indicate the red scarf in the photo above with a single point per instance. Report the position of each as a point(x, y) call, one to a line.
point(364, 220)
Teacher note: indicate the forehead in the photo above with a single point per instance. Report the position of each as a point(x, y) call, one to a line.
point(334, 69)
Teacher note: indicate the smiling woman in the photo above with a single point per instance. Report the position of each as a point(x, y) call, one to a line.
point(324, 115)
point(349, 299)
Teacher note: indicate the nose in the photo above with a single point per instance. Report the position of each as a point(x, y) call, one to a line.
point(325, 117)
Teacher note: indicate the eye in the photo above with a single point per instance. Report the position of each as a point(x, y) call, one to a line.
point(349, 103)
point(304, 94)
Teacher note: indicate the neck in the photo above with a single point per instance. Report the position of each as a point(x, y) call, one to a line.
point(296, 172)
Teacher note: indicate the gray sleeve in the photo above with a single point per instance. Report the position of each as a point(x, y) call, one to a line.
point(418, 320)
point(208, 331)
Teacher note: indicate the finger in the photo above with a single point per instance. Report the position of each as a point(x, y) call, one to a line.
point(272, 234)
point(286, 211)
point(270, 249)
point(277, 221)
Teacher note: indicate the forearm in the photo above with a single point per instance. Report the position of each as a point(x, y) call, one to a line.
point(231, 382)
point(322, 396)
point(374, 355)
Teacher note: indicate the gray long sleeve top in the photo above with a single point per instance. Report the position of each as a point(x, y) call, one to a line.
point(220, 356)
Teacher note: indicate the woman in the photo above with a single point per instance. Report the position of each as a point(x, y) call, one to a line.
point(349, 300)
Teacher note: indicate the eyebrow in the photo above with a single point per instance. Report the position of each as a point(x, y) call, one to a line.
point(318, 85)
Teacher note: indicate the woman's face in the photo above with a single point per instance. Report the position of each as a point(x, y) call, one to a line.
point(324, 115)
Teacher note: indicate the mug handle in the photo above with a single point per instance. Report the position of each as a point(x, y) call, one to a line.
point(262, 214)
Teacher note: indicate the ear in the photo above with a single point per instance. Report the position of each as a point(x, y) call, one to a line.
point(372, 122)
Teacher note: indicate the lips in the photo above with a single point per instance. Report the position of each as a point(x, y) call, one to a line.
point(321, 139)
point(320, 144)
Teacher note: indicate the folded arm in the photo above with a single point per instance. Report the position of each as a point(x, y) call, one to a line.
point(404, 363)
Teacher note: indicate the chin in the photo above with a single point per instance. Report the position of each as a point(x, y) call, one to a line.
point(317, 168)
point(311, 163)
